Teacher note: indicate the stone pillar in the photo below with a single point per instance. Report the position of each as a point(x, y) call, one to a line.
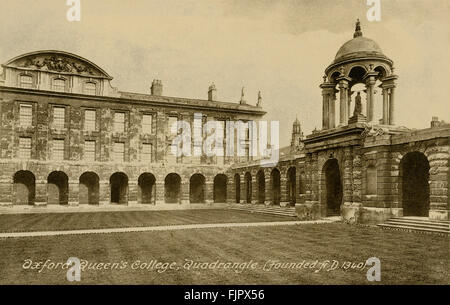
point(331, 107)
point(343, 112)
point(385, 106)
point(73, 192)
point(284, 190)
point(132, 192)
point(325, 110)
point(160, 191)
point(439, 182)
point(349, 100)
point(209, 191)
point(104, 192)
point(184, 196)
point(370, 97)
point(327, 95)
point(392, 106)
point(40, 193)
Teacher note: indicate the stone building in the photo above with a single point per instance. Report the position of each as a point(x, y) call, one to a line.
point(356, 166)
point(69, 138)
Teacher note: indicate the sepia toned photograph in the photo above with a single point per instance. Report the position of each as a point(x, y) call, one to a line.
point(210, 143)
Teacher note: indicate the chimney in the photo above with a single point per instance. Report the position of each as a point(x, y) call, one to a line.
point(157, 87)
point(212, 93)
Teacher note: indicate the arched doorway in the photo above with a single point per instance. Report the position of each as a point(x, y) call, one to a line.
point(197, 189)
point(415, 188)
point(291, 185)
point(172, 188)
point(276, 186)
point(248, 187)
point(88, 188)
point(237, 187)
point(119, 188)
point(57, 188)
point(261, 180)
point(333, 187)
point(24, 188)
point(220, 189)
point(146, 183)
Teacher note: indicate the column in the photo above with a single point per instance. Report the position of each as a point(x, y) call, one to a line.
point(132, 192)
point(349, 103)
point(325, 111)
point(385, 106)
point(370, 98)
point(73, 192)
point(391, 107)
point(331, 115)
point(343, 112)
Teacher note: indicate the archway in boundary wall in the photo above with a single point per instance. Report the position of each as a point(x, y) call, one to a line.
point(119, 188)
point(276, 186)
point(220, 188)
point(248, 187)
point(237, 187)
point(172, 188)
point(197, 188)
point(261, 182)
point(57, 188)
point(88, 188)
point(333, 187)
point(414, 186)
point(291, 188)
point(146, 189)
point(24, 188)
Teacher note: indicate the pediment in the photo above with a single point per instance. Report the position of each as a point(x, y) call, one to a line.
point(57, 62)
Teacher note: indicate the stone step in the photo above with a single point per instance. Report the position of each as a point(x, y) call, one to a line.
point(418, 224)
point(418, 220)
point(411, 228)
point(266, 210)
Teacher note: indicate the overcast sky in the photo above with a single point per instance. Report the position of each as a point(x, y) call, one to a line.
point(278, 47)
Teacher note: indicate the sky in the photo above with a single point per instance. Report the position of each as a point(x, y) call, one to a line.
point(278, 47)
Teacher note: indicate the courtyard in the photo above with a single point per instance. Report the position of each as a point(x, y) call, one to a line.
point(280, 254)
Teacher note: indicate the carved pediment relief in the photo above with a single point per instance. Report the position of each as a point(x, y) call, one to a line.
point(56, 61)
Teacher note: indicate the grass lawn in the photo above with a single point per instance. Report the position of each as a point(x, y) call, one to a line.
point(97, 220)
point(406, 258)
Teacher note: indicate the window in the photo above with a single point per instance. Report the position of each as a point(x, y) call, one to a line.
point(58, 150)
point(25, 115)
point(89, 120)
point(26, 81)
point(119, 122)
point(119, 152)
point(89, 150)
point(90, 88)
point(59, 117)
point(147, 152)
point(147, 123)
point(371, 180)
point(59, 85)
point(25, 148)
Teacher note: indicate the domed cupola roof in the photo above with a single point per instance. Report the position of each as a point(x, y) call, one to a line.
point(358, 47)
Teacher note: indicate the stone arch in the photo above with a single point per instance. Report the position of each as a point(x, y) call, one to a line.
point(261, 184)
point(88, 188)
point(147, 189)
point(291, 187)
point(118, 183)
point(414, 187)
point(275, 181)
point(197, 188)
point(220, 188)
point(332, 191)
point(248, 187)
point(57, 188)
point(172, 188)
point(237, 187)
point(24, 188)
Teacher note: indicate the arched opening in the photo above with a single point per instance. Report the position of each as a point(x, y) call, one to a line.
point(415, 188)
point(24, 188)
point(119, 188)
point(333, 187)
point(146, 183)
point(248, 187)
point(291, 185)
point(172, 188)
point(197, 189)
point(220, 189)
point(261, 180)
point(88, 188)
point(237, 187)
point(276, 186)
point(57, 188)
